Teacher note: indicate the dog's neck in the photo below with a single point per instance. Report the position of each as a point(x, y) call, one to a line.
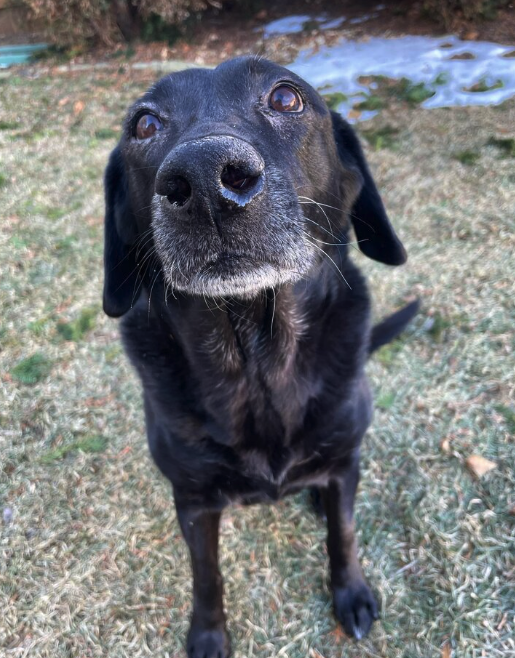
point(254, 366)
point(250, 351)
point(235, 332)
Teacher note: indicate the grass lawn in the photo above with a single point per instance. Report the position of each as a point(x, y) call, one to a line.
point(91, 558)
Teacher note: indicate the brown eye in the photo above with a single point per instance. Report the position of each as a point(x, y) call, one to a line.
point(147, 125)
point(286, 99)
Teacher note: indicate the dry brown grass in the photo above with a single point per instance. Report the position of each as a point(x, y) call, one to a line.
point(91, 558)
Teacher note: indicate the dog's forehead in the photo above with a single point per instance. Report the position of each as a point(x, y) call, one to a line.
point(236, 81)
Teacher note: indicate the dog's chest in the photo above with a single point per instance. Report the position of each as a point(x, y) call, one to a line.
point(256, 384)
point(247, 410)
point(269, 477)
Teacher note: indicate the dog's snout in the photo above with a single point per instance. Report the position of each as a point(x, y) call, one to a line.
point(220, 170)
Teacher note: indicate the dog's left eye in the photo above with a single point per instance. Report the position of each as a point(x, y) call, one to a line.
point(147, 125)
point(286, 99)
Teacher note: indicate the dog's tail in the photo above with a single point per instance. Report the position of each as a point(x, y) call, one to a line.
point(392, 326)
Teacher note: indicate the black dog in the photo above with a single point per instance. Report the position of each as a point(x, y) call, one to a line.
point(229, 201)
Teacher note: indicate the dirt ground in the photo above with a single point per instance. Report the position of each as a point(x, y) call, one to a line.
point(92, 563)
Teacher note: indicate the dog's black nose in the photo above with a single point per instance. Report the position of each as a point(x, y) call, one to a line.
point(218, 169)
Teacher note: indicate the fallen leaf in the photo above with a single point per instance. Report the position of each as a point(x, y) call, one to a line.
point(445, 445)
point(313, 653)
point(63, 305)
point(123, 452)
point(63, 101)
point(338, 634)
point(446, 650)
point(479, 465)
point(503, 622)
point(78, 106)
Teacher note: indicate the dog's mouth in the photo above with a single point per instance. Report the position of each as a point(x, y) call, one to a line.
point(229, 263)
point(233, 255)
point(237, 275)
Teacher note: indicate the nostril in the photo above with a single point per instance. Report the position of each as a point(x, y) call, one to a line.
point(179, 190)
point(238, 180)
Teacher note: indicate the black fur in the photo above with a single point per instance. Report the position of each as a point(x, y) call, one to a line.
point(256, 388)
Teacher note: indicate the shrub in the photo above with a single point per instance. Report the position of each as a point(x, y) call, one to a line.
point(71, 22)
point(447, 11)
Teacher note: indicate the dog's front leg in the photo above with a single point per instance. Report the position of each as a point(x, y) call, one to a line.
point(207, 637)
point(354, 603)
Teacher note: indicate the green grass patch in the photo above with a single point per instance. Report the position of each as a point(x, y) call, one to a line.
point(77, 329)
point(334, 99)
point(412, 93)
point(113, 353)
point(367, 80)
point(385, 89)
point(18, 243)
point(8, 125)
point(310, 26)
point(386, 355)
point(32, 370)
point(106, 133)
point(386, 400)
point(384, 137)
point(87, 444)
point(93, 174)
point(371, 103)
point(509, 416)
point(37, 327)
point(55, 213)
point(483, 85)
point(437, 326)
point(467, 157)
point(3, 180)
point(65, 245)
point(505, 144)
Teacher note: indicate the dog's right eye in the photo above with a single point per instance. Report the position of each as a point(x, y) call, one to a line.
point(147, 125)
point(286, 99)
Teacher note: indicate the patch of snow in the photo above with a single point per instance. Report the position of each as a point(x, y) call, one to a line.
point(287, 25)
point(362, 19)
point(428, 60)
point(295, 24)
point(331, 24)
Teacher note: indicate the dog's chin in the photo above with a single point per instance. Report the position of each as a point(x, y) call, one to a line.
point(240, 279)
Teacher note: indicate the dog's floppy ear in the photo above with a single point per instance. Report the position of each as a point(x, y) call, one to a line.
point(121, 284)
point(375, 234)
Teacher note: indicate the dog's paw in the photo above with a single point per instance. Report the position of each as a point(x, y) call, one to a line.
point(355, 608)
point(204, 643)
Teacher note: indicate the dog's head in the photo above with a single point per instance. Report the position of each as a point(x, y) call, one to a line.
point(233, 181)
